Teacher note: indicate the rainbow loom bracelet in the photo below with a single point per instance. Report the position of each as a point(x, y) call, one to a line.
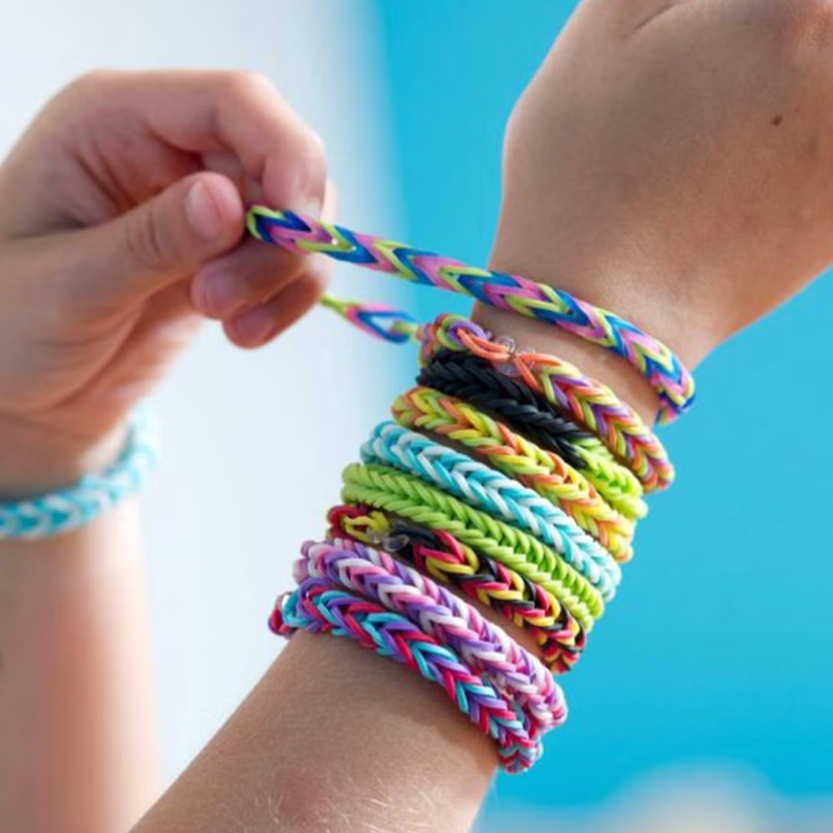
point(591, 403)
point(560, 637)
point(533, 417)
point(409, 497)
point(667, 375)
point(68, 509)
point(480, 384)
point(484, 488)
point(377, 576)
point(315, 607)
point(434, 413)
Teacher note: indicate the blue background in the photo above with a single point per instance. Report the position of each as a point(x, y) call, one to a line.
point(717, 649)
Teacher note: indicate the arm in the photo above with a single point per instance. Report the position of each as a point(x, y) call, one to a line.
point(601, 180)
point(126, 225)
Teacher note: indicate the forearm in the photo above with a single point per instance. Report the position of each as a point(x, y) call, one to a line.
point(78, 747)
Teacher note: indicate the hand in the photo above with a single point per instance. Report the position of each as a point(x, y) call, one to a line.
point(673, 161)
point(122, 222)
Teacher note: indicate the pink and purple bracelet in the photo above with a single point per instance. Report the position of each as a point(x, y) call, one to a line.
point(318, 608)
point(376, 575)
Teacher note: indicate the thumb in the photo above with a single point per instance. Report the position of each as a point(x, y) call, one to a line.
point(164, 239)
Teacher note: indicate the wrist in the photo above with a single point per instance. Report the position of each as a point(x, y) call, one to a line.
point(36, 459)
point(520, 252)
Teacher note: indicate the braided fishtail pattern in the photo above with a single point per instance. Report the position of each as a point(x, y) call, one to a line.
point(409, 497)
point(377, 576)
point(560, 637)
point(480, 384)
point(482, 487)
point(663, 370)
point(445, 416)
point(532, 521)
point(315, 607)
point(564, 386)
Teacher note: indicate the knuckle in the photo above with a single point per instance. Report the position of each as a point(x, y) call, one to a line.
point(246, 83)
point(91, 82)
point(144, 242)
point(310, 160)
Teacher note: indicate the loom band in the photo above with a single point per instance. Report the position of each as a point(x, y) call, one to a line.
point(572, 591)
point(590, 402)
point(664, 371)
point(422, 548)
point(439, 509)
point(430, 410)
point(477, 382)
point(408, 497)
point(472, 379)
point(319, 609)
point(376, 320)
point(561, 641)
point(563, 597)
point(504, 584)
point(450, 410)
point(376, 575)
point(484, 488)
point(560, 637)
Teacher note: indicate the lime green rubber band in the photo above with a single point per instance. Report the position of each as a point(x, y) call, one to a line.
point(409, 497)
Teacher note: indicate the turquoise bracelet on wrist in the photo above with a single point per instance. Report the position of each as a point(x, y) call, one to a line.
point(67, 509)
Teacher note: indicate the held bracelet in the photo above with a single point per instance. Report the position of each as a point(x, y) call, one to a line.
point(663, 370)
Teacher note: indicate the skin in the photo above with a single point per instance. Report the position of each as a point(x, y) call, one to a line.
point(669, 161)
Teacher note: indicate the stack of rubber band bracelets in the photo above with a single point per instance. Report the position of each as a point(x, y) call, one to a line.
point(507, 480)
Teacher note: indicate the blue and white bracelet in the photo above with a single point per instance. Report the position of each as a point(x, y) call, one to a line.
point(67, 509)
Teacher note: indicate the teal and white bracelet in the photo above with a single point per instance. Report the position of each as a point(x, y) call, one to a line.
point(67, 509)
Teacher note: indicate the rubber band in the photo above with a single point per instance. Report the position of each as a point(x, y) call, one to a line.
point(69, 509)
point(475, 381)
point(377, 576)
point(434, 413)
point(564, 386)
point(484, 488)
point(407, 496)
point(480, 384)
point(560, 636)
point(663, 370)
point(315, 607)
point(534, 527)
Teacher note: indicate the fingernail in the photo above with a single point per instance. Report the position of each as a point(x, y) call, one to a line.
point(203, 212)
point(223, 294)
point(256, 325)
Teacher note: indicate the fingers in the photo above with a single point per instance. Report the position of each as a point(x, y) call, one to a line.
point(162, 240)
point(257, 291)
point(208, 112)
point(260, 325)
point(243, 279)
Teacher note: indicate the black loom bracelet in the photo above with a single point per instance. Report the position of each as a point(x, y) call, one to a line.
point(476, 381)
